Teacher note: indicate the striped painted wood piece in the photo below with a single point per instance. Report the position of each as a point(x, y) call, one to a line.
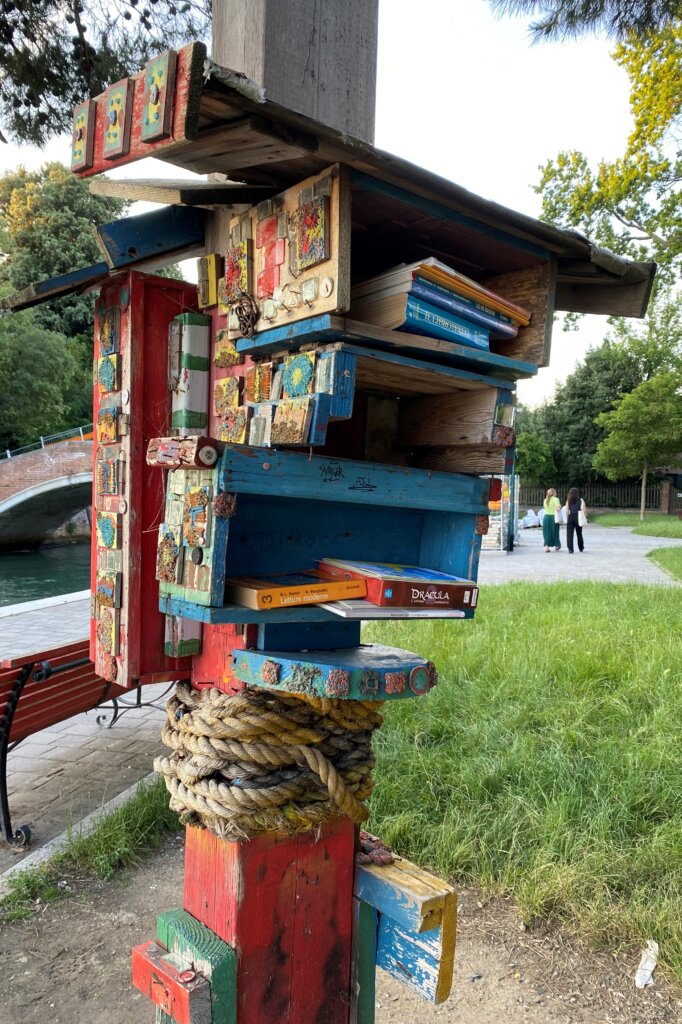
point(367, 672)
point(412, 897)
point(210, 956)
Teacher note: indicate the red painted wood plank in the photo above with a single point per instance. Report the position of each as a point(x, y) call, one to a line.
point(171, 984)
point(68, 652)
point(213, 667)
point(285, 904)
point(185, 123)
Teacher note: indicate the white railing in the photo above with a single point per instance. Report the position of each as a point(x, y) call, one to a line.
point(64, 435)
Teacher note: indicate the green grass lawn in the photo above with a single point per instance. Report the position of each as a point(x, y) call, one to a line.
point(669, 559)
point(547, 762)
point(654, 525)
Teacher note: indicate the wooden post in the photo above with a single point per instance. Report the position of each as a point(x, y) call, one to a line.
point(313, 56)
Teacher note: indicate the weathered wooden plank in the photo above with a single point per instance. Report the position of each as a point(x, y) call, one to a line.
point(368, 672)
point(182, 192)
point(63, 284)
point(181, 100)
point(533, 289)
point(316, 478)
point(424, 961)
point(206, 954)
point(285, 903)
point(150, 235)
point(463, 459)
point(318, 636)
point(363, 969)
point(326, 328)
point(159, 976)
point(410, 896)
point(462, 419)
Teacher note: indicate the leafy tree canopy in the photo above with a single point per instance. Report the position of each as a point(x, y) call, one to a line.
point(534, 461)
point(561, 19)
point(56, 53)
point(632, 205)
point(46, 228)
point(633, 351)
point(38, 376)
point(643, 431)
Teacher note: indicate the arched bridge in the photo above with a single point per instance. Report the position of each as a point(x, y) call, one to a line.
point(40, 490)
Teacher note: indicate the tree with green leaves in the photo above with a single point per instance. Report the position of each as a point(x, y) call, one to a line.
point(38, 377)
point(534, 461)
point(643, 431)
point(562, 19)
point(56, 53)
point(632, 205)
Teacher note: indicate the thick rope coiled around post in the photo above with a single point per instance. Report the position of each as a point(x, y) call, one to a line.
point(263, 760)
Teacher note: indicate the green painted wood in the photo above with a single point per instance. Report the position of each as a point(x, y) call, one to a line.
point(363, 966)
point(182, 934)
point(367, 672)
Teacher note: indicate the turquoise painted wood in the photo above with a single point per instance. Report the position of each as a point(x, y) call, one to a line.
point(318, 636)
point(326, 328)
point(368, 672)
point(238, 615)
point(170, 229)
point(296, 475)
point(338, 369)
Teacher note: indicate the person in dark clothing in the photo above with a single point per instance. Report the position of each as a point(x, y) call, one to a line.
point(575, 508)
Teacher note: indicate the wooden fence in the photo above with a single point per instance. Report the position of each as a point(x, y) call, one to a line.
point(625, 494)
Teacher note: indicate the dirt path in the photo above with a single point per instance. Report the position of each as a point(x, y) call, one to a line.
point(70, 964)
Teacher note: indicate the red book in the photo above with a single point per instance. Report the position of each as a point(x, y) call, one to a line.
point(403, 586)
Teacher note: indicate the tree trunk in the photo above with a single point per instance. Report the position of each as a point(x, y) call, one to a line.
point(642, 504)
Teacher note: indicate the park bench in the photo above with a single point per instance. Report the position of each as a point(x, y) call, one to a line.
point(39, 690)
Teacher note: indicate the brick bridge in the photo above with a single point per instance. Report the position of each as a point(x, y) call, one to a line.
point(41, 490)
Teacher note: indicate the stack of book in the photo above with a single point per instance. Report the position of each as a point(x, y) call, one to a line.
point(359, 590)
point(430, 298)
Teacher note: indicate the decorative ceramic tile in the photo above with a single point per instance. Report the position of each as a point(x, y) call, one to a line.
point(238, 270)
point(107, 476)
point(196, 520)
point(83, 136)
point(158, 97)
point(291, 422)
point(225, 395)
point(119, 99)
point(107, 424)
point(107, 630)
point(297, 376)
point(234, 426)
point(225, 354)
point(258, 382)
point(107, 374)
point(109, 329)
point(312, 242)
point(108, 530)
point(169, 555)
point(108, 590)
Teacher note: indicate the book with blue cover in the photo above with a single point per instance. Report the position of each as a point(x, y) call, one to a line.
point(422, 318)
point(382, 300)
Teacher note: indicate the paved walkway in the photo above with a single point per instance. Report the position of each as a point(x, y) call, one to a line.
point(63, 773)
point(613, 554)
point(71, 769)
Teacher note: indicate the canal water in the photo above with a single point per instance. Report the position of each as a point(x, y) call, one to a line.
point(31, 575)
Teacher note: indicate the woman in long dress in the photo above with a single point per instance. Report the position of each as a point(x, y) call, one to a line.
point(551, 507)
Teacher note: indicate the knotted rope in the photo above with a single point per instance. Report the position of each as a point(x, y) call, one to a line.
point(264, 760)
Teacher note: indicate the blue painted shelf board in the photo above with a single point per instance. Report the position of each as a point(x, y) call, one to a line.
point(237, 614)
point(278, 474)
point(326, 328)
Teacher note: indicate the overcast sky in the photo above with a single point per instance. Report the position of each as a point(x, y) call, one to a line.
point(467, 96)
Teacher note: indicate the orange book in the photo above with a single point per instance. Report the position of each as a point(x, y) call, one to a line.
point(288, 590)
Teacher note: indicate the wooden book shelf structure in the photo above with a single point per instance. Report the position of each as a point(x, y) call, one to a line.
point(251, 426)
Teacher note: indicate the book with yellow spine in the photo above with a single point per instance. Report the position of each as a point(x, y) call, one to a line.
point(288, 590)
